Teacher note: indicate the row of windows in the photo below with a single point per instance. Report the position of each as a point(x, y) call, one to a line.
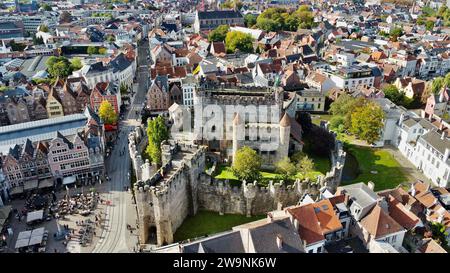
point(75, 164)
point(59, 151)
point(69, 156)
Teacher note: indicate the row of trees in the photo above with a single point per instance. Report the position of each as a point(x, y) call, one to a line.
point(247, 165)
point(359, 116)
point(234, 40)
point(396, 96)
point(91, 50)
point(275, 19)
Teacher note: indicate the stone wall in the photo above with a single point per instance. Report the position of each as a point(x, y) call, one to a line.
point(181, 187)
point(250, 199)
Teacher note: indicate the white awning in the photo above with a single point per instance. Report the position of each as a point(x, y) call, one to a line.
point(46, 183)
point(38, 232)
point(16, 190)
point(24, 235)
point(29, 185)
point(69, 180)
point(35, 215)
point(30, 238)
point(22, 243)
point(35, 240)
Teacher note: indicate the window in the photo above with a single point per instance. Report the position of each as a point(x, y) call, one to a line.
point(311, 251)
point(394, 239)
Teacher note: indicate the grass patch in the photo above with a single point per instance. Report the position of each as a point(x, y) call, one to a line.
point(209, 222)
point(389, 172)
point(322, 166)
point(317, 118)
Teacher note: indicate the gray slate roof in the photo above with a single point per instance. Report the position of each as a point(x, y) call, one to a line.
point(434, 139)
point(218, 14)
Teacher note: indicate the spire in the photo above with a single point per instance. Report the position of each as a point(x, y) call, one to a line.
point(237, 119)
point(285, 121)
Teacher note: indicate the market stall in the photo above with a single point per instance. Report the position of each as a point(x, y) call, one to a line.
point(33, 216)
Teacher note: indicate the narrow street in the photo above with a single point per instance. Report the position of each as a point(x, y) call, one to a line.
point(115, 237)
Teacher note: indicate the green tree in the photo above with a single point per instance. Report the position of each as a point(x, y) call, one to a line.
point(437, 85)
point(37, 40)
point(239, 40)
point(286, 168)
point(250, 20)
point(337, 124)
point(46, 7)
point(157, 132)
point(392, 93)
point(107, 113)
point(91, 50)
point(59, 67)
point(440, 234)
point(17, 46)
point(110, 38)
point(274, 19)
point(267, 24)
point(43, 28)
point(219, 34)
point(395, 33)
point(305, 166)
point(447, 79)
point(102, 51)
point(247, 164)
point(76, 63)
point(367, 122)
point(429, 25)
point(344, 105)
point(123, 89)
point(306, 17)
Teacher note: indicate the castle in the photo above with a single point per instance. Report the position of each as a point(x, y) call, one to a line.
point(181, 187)
point(227, 118)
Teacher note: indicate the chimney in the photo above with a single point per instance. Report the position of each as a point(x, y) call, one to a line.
point(181, 248)
point(413, 190)
point(296, 224)
point(383, 204)
point(443, 135)
point(269, 217)
point(440, 219)
point(279, 241)
point(371, 185)
point(446, 154)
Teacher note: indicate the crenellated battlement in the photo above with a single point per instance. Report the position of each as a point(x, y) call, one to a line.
point(180, 187)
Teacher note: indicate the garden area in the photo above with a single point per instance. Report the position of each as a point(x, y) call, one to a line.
point(209, 222)
point(321, 166)
point(364, 164)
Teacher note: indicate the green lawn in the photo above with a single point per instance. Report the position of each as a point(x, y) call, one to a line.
point(317, 118)
point(208, 222)
point(225, 172)
point(389, 171)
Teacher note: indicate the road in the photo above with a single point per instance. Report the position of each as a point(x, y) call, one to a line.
point(115, 237)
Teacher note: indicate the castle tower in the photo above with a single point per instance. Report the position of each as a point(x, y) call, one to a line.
point(285, 132)
point(238, 133)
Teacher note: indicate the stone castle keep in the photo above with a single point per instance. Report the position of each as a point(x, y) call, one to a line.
point(181, 187)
